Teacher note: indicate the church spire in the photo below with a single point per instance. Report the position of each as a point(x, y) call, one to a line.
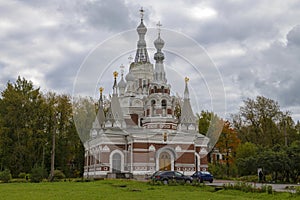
point(100, 113)
point(141, 53)
point(122, 83)
point(115, 89)
point(187, 118)
point(159, 73)
point(186, 90)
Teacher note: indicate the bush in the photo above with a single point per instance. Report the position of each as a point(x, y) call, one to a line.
point(58, 175)
point(269, 189)
point(5, 176)
point(250, 178)
point(37, 174)
point(22, 175)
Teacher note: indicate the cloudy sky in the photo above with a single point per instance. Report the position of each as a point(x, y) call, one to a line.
point(253, 44)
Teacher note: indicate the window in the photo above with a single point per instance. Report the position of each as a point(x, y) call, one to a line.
point(116, 162)
point(164, 104)
point(153, 102)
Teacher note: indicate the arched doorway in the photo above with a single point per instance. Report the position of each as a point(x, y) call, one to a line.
point(164, 161)
point(116, 163)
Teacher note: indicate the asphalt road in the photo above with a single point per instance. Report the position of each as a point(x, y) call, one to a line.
point(276, 187)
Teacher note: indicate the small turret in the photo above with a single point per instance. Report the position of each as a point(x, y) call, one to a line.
point(122, 83)
point(187, 118)
point(141, 53)
point(114, 116)
point(159, 72)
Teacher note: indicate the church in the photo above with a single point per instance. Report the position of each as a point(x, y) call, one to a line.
point(143, 128)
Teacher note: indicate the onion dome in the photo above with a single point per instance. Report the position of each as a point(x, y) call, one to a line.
point(159, 43)
point(141, 29)
point(129, 77)
point(122, 83)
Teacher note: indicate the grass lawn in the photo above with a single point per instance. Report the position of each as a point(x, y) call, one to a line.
point(123, 189)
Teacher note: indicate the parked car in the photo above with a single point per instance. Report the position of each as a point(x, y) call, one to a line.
point(154, 174)
point(166, 176)
point(202, 176)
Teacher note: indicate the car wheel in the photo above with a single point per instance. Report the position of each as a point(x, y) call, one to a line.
point(211, 181)
point(188, 181)
point(165, 182)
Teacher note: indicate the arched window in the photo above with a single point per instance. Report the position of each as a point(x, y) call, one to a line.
point(162, 89)
point(153, 102)
point(164, 107)
point(116, 163)
point(163, 104)
point(152, 109)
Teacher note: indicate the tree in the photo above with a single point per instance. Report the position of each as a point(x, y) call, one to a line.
point(227, 145)
point(246, 158)
point(83, 115)
point(261, 122)
point(21, 126)
point(210, 125)
point(204, 120)
point(28, 120)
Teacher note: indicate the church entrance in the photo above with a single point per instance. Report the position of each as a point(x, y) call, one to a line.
point(116, 163)
point(164, 161)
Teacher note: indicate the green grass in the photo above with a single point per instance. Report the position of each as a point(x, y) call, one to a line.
point(122, 189)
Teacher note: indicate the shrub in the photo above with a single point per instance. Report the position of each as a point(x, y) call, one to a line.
point(172, 182)
point(250, 178)
point(269, 189)
point(58, 175)
point(37, 174)
point(248, 187)
point(22, 175)
point(5, 176)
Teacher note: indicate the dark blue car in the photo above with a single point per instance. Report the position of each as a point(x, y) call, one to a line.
point(166, 176)
point(202, 176)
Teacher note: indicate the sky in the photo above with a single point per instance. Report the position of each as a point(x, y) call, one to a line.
point(239, 49)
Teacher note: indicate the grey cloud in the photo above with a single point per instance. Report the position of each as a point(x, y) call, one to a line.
point(293, 36)
point(113, 15)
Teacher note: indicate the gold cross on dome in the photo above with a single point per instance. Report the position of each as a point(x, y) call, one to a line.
point(115, 74)
point(186, 79)
point(101, 90)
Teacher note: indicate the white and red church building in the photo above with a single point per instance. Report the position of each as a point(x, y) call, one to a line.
point(145, 128)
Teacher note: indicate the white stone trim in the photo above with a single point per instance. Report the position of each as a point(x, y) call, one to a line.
point(184, 165)
point(105, 149)
point(186, 151)
point(151, 148)
point(144, 164)
point(161, 142)
point(139, 149)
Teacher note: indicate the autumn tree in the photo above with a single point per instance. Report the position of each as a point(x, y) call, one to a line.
point(227, 145)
